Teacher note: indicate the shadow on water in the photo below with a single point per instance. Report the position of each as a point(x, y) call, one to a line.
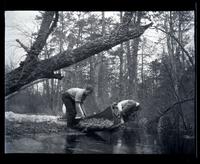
point(129, 141)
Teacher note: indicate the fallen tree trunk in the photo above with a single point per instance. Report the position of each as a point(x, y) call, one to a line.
point(45, 68)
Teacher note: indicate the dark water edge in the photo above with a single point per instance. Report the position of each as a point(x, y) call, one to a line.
point(124, 141)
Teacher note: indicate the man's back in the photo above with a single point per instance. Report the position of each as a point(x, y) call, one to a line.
point(76, 93)
point(124, 103)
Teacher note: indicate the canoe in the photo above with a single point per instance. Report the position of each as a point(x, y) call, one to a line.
point(107, 120)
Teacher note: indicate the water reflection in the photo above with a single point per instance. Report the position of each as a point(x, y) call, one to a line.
point(134, 141)
point(91, 143)
point(71, 142)
point(122, 142)
point(176, 143)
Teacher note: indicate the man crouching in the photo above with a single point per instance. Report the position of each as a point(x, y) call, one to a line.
point(127, 108)
point(73, 99)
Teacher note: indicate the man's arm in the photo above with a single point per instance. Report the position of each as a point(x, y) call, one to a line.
point(119, 106)
point(83, 109)
point(79, 107)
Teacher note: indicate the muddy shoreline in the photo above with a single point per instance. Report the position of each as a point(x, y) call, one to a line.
point(16, 129)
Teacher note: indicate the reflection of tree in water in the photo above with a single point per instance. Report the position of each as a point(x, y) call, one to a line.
point(129, 141)
point(82, 143)
point(125, 141)
point(174, 141)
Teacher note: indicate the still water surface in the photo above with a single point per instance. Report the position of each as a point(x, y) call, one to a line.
point(135, 141)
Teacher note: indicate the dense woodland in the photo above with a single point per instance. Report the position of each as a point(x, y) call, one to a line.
point(159, 74)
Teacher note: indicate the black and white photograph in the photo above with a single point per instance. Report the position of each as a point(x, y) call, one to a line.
point(100, 82)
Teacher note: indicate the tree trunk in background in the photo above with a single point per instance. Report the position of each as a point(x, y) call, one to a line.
point(172, 64)
point(94, 73)
point(91, 71)
point(96, 83)
point(121, 81)
point(58, 100)
point(101, 73)
point(121, 94)
point(135, 45)
point(76, 67)
point(93, 82)
point(142, 71)
point(48, 95)
point(173, 73)
point(132, 61)
point(103, 24)
point(57, 97)
point(179, 51)
point(46, 82)
point(130, 70)
point(52, 96)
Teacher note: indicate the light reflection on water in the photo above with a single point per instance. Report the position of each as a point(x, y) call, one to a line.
point(121, 142)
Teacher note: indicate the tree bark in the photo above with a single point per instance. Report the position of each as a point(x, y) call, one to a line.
point(130, 69)
point(121, 67)
point(101, 73)
point(135, 44)
point(142, 70)
point(121, 72)
point(45, 68)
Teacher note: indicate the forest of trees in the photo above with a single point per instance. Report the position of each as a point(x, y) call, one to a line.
point(158, 74)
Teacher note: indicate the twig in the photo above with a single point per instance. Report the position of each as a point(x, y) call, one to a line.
point(176, 94)
point(171, 107)
point(22, 45)
point(22, 88)
point(54, 24)
point(127, 17)
point(40, 41)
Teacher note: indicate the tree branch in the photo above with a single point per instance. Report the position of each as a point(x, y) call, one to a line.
point(184, 50)
point(32, 57)
point(54, 24)
point(22, 45)
point(171, 107)
point(179, 102)
point(67, 58)
point(22, 88)
point(44, 31)
point(127, 18)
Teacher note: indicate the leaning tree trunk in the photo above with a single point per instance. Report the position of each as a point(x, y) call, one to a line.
point(34, 69)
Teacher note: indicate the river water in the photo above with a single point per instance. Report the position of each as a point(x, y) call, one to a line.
point(134, 141)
